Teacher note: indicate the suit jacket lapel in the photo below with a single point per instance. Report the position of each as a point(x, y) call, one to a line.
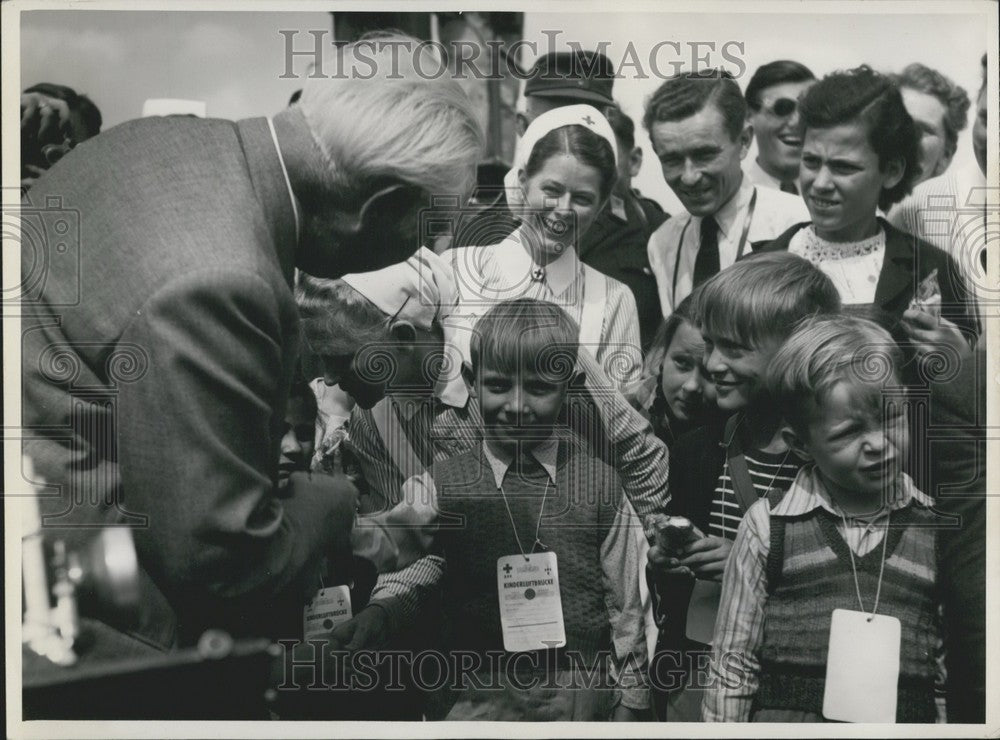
point(271, 189)
point(898, 267)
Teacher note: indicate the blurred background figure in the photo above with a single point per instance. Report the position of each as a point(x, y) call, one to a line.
point(298, 439)
point(953, 211)
point(772, 104)
point(54, 119)
point(567, 78)
point(940, 108)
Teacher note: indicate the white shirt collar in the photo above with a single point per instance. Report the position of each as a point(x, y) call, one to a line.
point(807, 492)
point(726, 216)
point(288, 182)
point(501, 460)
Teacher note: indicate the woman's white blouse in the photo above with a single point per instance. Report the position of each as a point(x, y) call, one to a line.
point(854, 267)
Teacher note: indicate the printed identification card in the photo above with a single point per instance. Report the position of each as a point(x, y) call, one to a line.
point(862, 668)
point(702, 610)
point(329, 607)
point(530, 606)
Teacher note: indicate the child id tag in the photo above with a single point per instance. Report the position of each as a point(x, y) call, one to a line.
point(329, 607)
point(862, 668)
point(702, 610)
point(531, 613)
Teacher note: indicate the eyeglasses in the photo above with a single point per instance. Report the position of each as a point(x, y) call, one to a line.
point(782, 107)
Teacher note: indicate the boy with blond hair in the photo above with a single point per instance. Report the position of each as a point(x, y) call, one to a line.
point(829, 607)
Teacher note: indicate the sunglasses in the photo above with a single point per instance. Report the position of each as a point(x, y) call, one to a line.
point(782, 107)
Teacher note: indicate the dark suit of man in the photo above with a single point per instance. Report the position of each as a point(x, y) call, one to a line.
point(615, 244)
point(156, 374)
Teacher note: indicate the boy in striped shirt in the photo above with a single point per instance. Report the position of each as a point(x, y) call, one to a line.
point(717, 472)
point(852, 537)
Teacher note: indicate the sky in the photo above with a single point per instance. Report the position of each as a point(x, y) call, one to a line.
point(234, 61)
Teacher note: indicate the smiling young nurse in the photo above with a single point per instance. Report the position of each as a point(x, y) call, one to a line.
point(566, 169)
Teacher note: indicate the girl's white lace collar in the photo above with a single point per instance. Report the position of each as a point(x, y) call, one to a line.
point(817, 249)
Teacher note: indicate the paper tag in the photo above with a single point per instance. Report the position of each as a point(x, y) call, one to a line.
point(329, 607)
point(862, 668)
point(702, 610)
point(530, 606)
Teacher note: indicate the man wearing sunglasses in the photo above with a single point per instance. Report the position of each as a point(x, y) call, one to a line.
point(772, 102)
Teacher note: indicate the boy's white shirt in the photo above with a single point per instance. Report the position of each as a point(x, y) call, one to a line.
point(621, 564)
point(739, 626)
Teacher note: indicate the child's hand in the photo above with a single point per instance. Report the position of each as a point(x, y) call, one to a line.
point(928, 333)
point(707, 557)
point(664, 562)
point(369, 629)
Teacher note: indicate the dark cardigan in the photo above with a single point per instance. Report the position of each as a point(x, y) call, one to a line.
point(908, 260)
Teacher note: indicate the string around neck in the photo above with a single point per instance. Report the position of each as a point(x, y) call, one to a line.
point(881, 570)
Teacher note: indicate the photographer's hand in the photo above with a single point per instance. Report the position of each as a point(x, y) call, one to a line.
point(44, 120)
point(46, 135)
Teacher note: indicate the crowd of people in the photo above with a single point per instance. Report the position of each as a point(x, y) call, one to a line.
point(604, 462)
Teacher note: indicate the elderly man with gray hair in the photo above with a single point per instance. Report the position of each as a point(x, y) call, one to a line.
point(155, 396)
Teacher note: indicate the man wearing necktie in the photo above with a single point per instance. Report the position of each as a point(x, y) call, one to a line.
point(697, 124)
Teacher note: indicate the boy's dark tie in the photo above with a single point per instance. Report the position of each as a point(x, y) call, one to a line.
point(706, 263)
point(788, 186)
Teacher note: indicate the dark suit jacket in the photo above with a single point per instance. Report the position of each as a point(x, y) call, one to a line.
point(908, 260)
point(158, 347)
point(958, 471)
point(616, 246)
point(696, 462)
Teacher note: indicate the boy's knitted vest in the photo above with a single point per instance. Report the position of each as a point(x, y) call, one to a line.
point(578, 513)
point(809, 575)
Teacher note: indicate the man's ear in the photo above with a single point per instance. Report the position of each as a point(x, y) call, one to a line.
point(635, 161)
point(795, 442)
point(521, 121)
point(745, 138)
point(385, 206)
point(403, 333)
